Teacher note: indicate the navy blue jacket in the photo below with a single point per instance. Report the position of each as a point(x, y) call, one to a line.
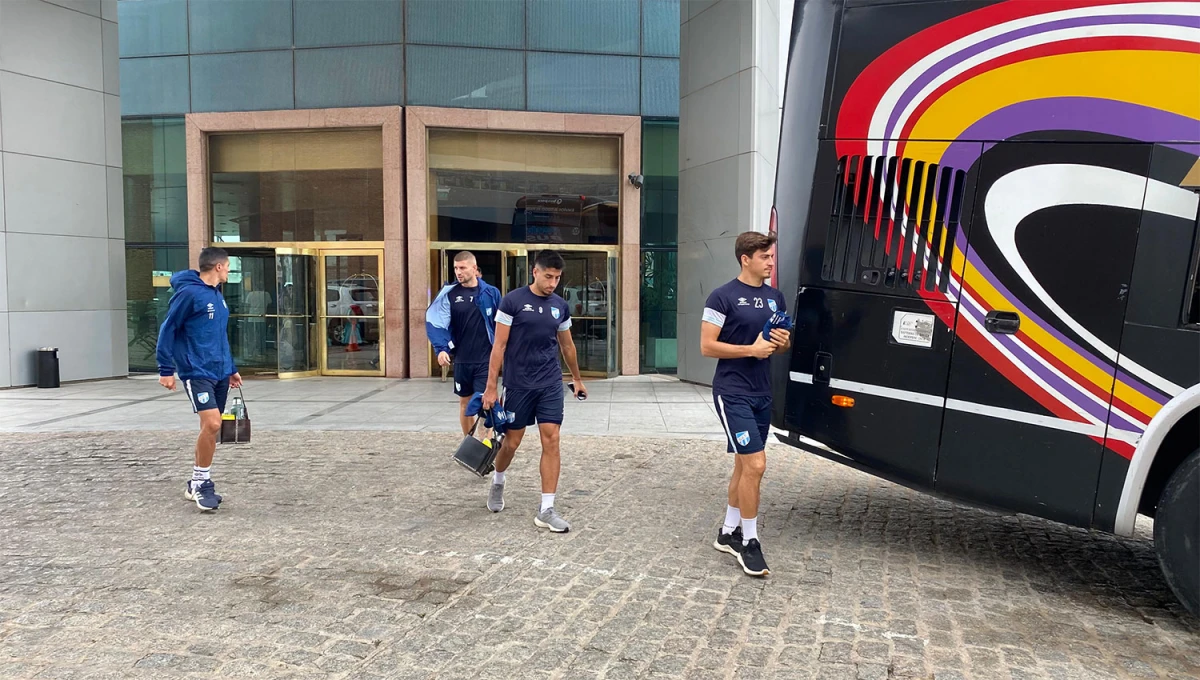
point(193, 340)
point(437, 317)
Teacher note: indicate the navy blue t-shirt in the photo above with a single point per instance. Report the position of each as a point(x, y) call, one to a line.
point(531, 357)
point(741, 311)
point(471, 344)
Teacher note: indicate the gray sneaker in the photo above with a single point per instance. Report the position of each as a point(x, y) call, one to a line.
point(496, 498)
point(550, 519)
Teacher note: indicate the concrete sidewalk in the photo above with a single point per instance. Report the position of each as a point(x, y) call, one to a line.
point(639, 406)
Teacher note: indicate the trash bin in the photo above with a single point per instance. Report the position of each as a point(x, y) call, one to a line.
point(47, 367)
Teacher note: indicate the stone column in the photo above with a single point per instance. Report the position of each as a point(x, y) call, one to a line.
point(728, 138)
point(62, 218)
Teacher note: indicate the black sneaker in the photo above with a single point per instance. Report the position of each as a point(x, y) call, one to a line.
point(729, 543)
point(751, 559)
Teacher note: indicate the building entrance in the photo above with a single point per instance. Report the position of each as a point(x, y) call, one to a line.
point(298, 312)
point(588, 285)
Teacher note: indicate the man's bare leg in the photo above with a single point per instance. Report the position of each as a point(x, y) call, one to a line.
point(548, 517)
point(729, 538)
point(551, 460)
point(464, 419)
point(753, 465)
point(734, 481)
point(200, 488)
point(508, 451)
point(206, 443)
point(750, 556)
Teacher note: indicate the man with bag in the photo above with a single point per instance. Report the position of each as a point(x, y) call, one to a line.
point(745, 321)
point(532, 326)
point(460, 325)
point(194, 342)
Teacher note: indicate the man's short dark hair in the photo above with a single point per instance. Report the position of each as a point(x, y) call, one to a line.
point(549, 259)
point(464, 256)
point(750, 242)
point(211, 257)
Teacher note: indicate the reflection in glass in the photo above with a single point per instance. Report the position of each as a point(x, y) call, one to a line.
point(296, 292)
point(478, 23)
point(465, 78)
point(297, 186)
point(582, 83)
point(352, 344)
point(248, 293)
point(154, 159)
point(518, 272)
point(148, 294)
point(494, 187)
point(353, 307)
point(349, 76)
point(585, 25)
point(585, 287)
point(660, 231)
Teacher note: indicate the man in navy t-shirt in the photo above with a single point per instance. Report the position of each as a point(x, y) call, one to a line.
point(532, 326)
point(460, 324)
point(731, 331)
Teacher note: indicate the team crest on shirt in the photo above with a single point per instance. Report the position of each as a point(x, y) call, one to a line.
point(202, 397)
point(489, 311)
point(554, 312)
point(743, 437)
point(771, 303)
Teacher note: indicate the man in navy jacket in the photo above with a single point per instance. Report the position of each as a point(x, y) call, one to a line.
point(461, 325)
point(194, 343)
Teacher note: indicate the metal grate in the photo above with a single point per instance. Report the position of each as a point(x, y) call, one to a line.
point(893, 223)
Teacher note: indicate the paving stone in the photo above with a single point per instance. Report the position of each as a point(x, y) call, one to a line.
point(380, 561)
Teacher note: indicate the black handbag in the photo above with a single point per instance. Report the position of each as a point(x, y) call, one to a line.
point(236, 430)
point(475, 455)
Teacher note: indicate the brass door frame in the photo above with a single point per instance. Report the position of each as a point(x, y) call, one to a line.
point(319, 334)
point(323, 329)
point(314, 328)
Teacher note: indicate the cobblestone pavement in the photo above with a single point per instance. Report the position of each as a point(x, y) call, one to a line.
point(369, 555)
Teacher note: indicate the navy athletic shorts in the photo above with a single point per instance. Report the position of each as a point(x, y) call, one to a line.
point(206, 394)
point(470, 378)
point(538, 405)
point(747, 421)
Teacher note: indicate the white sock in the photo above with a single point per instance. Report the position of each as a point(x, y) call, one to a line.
point(749, 529)
point(200, 474)
point(733, 517)
point(497, 477)
point(547, 501)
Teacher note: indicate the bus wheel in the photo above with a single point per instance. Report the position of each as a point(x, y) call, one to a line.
point(1177, 532)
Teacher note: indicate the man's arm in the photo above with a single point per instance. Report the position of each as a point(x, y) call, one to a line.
point(566, 344)
point(164, 351)
point(490, 395)
point(437, 324)
point(715, 349)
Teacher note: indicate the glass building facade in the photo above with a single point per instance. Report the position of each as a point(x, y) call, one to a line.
point(571, 56)
point(302, 210)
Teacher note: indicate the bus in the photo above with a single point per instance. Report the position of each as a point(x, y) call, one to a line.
point(987, 212)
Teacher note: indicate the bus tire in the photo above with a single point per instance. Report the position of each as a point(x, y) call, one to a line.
point(1177, 532)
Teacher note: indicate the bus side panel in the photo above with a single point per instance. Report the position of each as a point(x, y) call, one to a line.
point(1042, 308)
point(858, 345)
point(814, 32)
point(1159, 334)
